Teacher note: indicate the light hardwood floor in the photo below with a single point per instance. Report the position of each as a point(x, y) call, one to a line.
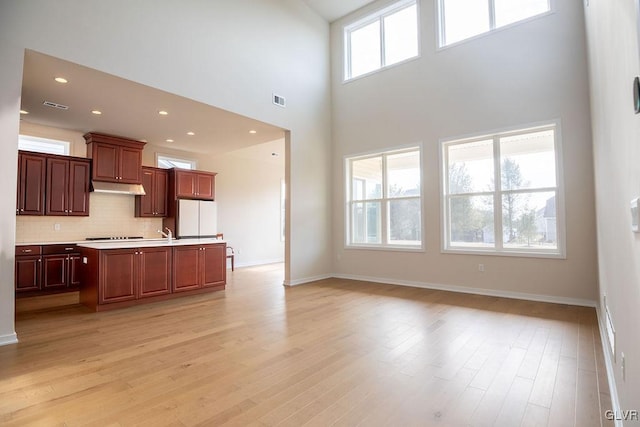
point(335, 352)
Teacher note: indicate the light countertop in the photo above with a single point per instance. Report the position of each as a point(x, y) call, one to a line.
point(146, 243)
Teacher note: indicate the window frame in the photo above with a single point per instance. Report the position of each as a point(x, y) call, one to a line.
point(379, 16)
point(499, 248)
point(66, 145)
point(160, 156)
point(440, 27)
point(384, 201)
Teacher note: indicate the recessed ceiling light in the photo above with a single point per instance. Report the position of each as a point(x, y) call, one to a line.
point(24, 112)
point(61, 80)
point(163, 113)
point(190, 133)
point(169, 140)
point(96, 112)
point(253, 132)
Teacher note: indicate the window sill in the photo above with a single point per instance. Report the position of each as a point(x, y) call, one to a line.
point(392, 248)
point(505, 253)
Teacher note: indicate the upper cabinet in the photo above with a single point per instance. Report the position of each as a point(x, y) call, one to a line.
point(156, 184)
point(67, 191)
point(31, 183)
point(190, 184)
point(115, 159)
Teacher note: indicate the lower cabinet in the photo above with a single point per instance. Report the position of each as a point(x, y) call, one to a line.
point(129, 274)
point(113, 278)
point(44, 269)
point(196, 267)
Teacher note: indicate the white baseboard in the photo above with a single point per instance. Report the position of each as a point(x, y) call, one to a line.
point(307, 280)
point(608, 362)
point(255, 263)
point(477, 291)
point(8, 339)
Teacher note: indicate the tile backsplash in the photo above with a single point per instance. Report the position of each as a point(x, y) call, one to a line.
point(110, 215)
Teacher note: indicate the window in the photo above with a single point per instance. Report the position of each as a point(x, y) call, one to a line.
point(43, 145)
point(384, 199)
point(387, 37)
point(170, 162)
point(501, 193)
point(462, 19)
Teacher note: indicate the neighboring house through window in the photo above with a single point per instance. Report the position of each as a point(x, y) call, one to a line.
point(386, 37)
point(502, 193)
point(384, 199)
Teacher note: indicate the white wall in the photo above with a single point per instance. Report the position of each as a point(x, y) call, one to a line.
point(248, 195)
point(532, 72)
point(232, 55)
point(613, 54)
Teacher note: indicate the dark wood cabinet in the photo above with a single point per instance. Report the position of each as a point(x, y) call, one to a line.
point(117, 275)
point(67, 188)
point(197, 267)
point(60, 264)
point(155, 271)
point(128, 274)
point(153, 204)
point(115, 159)
point(114, 278)
point(193, 184)
point(31, 183)
point(28, 268)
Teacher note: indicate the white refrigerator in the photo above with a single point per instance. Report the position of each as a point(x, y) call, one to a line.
point(197, 218)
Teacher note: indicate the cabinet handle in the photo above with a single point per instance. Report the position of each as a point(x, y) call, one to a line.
point(68, 249)
point(40, 260)
point(26, 251)
point(21, 210)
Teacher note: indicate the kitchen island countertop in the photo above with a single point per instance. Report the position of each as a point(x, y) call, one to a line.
point(147, 243)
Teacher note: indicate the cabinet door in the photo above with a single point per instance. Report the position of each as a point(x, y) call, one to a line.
point(214, 268)
point(54, 272)
point(130, 169)
point(31, 184)
point(185, 184)
point(155, 271)
point(28, 273)
point(105, 162)
point(160, 188)
point(74, 265)
point(117, 276)
point(144, 204)
point(79, 188)
point(205, 187)
point(57, 187)
point(186, 268)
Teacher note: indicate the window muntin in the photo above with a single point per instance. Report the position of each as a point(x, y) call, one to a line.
point(384, 199)
point(166, 162)
point(463, 19)
point(506, 182)
point(43, 145)
point(384, 38)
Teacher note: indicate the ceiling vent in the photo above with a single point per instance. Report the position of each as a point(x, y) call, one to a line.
point(55, 105)
point(279, 100)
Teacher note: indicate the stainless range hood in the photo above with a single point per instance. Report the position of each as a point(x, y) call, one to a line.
point(117, 188)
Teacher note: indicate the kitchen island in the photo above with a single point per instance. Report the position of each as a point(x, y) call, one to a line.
point(117, 274)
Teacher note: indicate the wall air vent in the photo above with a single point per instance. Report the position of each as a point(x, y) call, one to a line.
point(279, 100)
point(55, 105)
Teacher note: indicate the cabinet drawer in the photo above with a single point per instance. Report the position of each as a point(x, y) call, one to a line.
point(59, 249)
point(28, 250)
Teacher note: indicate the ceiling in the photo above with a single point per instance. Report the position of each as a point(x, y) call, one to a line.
point(130, 110)
point(332, 10)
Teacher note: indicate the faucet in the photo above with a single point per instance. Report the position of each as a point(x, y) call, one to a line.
point(167, 234)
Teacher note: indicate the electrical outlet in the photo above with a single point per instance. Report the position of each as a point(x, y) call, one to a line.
point(238, 251)
point(56, 227)
point(481, 268)
point(623, 366)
